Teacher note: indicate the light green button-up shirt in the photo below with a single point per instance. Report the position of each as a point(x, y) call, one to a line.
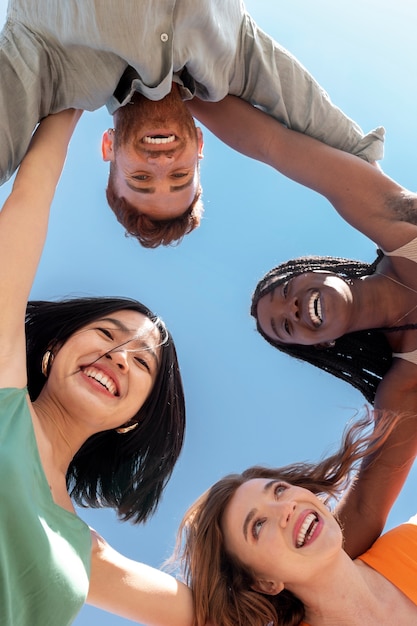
point(56, 54)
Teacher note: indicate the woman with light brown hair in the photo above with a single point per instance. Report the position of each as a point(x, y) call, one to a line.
point(262, 547)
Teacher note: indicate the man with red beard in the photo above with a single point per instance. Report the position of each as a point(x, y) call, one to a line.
point(154, 182)
point(56, 55)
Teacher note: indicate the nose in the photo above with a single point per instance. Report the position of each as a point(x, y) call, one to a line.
point(160, 158)
point(294, 309)
point(285, 512)
point(119, 356)
point(289, 308)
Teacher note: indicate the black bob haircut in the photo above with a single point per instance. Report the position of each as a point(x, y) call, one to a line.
point(125, 472)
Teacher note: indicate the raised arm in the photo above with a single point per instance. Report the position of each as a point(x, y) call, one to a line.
point(136, 591)
point(23, 229)
point(365, 508)
point(270, 77)
point(378, 207)
point(365, 197)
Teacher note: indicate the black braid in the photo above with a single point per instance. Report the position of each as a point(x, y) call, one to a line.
point(361, 358)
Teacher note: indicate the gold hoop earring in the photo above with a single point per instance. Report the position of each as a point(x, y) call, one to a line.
point(325, 344)
point(126, 429)
point(47, 360)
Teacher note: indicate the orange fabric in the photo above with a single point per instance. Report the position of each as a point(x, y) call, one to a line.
point(394, 556)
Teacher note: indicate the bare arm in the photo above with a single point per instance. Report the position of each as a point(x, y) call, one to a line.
point(365, 197)
point(373, 203)
point(136, 591)
point(23, 228)
point(365, 508)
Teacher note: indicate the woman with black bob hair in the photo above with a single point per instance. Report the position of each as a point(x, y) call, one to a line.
point(129, 472)
point(91, 412)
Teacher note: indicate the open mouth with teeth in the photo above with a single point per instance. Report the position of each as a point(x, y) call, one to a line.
point(314, 309)
point(159, 139)
point(102, 378)
point(307, 529)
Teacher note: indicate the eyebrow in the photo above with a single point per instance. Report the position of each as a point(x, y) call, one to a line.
point(253, 512)
point(274, 328)
point(153, 189)
point(124, 328)
point(272, 321)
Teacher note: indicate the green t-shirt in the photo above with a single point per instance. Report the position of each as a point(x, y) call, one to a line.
point(45, 550)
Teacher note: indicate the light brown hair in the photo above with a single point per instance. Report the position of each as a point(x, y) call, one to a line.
point(221, 585)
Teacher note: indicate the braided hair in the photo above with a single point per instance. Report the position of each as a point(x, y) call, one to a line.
point(360, 358)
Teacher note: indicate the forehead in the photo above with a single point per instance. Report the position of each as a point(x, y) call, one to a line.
point(285, 276)
point(162, 199)
point(252, 487)
point(162, 203)
point(241, 506)
point(130, 322)
point(244, 499)
point(294, 277)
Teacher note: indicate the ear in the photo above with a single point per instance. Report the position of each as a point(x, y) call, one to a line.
point(270, 587)
point(325, 344)
point(200, 142)
point(107, 145)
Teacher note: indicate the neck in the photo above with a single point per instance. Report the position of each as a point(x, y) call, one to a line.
point(58, 437)
point(408, 294)
point(382, 302)
point(340, 596)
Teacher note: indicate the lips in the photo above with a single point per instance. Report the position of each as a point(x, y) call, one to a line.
point(106, 381)
point(159, 139)
point(315, 309)
point(307, 530)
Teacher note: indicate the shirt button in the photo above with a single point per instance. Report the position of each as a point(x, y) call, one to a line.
point(164, 37)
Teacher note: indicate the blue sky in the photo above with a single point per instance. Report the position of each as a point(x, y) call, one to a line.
point(246, 403)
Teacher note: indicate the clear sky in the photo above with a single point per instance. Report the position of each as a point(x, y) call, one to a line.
point(246, 402)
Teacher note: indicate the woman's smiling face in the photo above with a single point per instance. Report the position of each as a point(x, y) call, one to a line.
point(310, 308)
point(281, 533)
point(109, 367)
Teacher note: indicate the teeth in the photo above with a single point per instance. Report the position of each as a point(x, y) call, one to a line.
point(102, 379)
point(308, 527)
point(159, 139)
point(314, 309)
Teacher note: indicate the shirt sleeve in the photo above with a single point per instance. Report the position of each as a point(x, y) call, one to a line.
point(19, 99)
point(40, 76)
point(270, 77)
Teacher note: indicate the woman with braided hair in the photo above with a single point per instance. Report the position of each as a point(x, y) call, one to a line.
point(326, 310)
point(361, 358)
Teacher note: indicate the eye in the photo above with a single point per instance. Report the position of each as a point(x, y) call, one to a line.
point(257, 527)
point(287, 327)
point(142, 363)
point(141, 177)
point(280, 488)
point(106, 332)
point(179, 175)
